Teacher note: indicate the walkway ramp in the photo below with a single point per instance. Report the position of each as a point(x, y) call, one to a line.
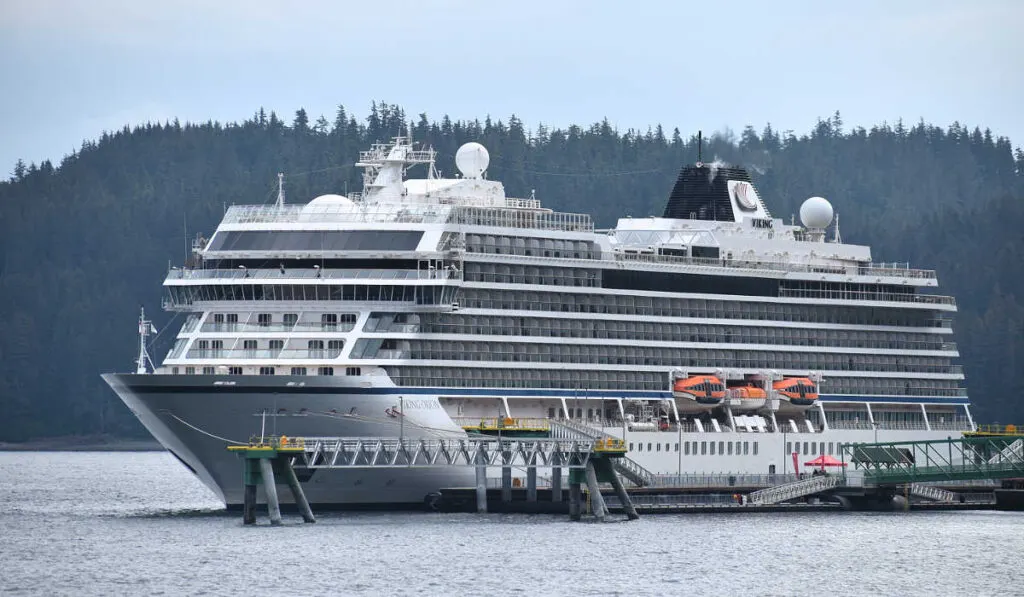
point(1014, 451)
point(935, 494)
point(794, 490)
point(626, 467)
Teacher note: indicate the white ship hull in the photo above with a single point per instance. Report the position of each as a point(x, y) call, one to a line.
point(196, 420)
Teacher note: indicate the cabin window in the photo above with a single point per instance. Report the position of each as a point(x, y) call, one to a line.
point(659, 446)
point(648, 446)
point(208, 371)
point(822, 448)
point(249, 344)
point(712, 448)
point(830, 451)
point(290, 319)
point(677, 447)
point(298, 370)
point(704, 448)
point(276, 344)
point(234, 370)
point(325, 371)
point(730, 448)
point(353, 371)
point(266, 370)
point(755, 448)
point(805, 448)
point(630, 446)
point(174, 370)
point(746, 448)
point(721, 448)
point(190, 370)
point(789, 447)
point(686, 448)
point(263, 319)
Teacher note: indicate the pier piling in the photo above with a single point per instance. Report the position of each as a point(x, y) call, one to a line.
point(481, 488)
point(270, 487)
point(299, 495)
point(575, 500)
point(596, 501)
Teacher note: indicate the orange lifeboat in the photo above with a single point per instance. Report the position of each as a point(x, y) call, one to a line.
point(747, 397)
point(704, 391)
point(798, 391)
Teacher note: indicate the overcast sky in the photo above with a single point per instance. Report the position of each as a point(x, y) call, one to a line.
point(72, 69)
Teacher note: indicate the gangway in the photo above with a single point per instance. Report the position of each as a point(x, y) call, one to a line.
point(794, 490)
point(953, 459)
point(625, 466)
point(933, 493)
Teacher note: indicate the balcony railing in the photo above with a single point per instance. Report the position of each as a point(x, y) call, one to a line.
point(853, 295)
point(246, 353)
point(277, 327)
point(312, 274)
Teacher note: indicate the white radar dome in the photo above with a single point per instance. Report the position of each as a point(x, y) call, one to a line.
point(816, 212)
point(472, 160)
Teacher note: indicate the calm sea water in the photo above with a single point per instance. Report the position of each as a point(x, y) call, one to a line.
point(140, 524)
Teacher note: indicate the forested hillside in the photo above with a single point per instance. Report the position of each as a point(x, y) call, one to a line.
point(84, 243)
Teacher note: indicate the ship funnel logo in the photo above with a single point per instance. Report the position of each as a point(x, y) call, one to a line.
point(744, 194)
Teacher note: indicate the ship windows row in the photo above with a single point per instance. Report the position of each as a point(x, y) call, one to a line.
point(448, 323)
point(279, 322)
point(526, 378)
point(182, 296)
point(724, 448)
point(572, 302)
point(531, 246)
point(575, 379)
point(500, 273)
point(603, 354)
point(264, 370)
point(241, 348)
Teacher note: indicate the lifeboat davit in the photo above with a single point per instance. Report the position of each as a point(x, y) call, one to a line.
point(745, 398)
point(799, 393)
point(699, 393)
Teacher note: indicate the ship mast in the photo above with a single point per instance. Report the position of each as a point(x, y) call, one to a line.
point(145, 329)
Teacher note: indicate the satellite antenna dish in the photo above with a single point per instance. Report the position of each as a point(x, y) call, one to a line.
point(472, 159)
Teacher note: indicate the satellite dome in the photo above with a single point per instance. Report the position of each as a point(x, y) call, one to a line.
point(472, 159)
point(816, 212)
point(330, 199)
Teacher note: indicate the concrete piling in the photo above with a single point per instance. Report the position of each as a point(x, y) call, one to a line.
point(299, 495)
point(481, 488)
point(620, 490)
point(270, 487)
point(531, 484)
point(556, 478)
point(596, 501)
point(575, 501)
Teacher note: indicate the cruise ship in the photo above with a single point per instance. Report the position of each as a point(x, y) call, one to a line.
point(715, 339)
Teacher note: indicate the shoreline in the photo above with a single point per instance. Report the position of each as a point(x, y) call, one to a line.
point(83, 444)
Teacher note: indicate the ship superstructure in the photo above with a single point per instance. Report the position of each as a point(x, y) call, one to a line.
point(713, 338)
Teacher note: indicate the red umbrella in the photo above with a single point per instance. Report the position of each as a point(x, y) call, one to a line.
point(823, 461)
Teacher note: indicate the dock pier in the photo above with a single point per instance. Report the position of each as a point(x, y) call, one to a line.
point(261, 460)
point(588, 462)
